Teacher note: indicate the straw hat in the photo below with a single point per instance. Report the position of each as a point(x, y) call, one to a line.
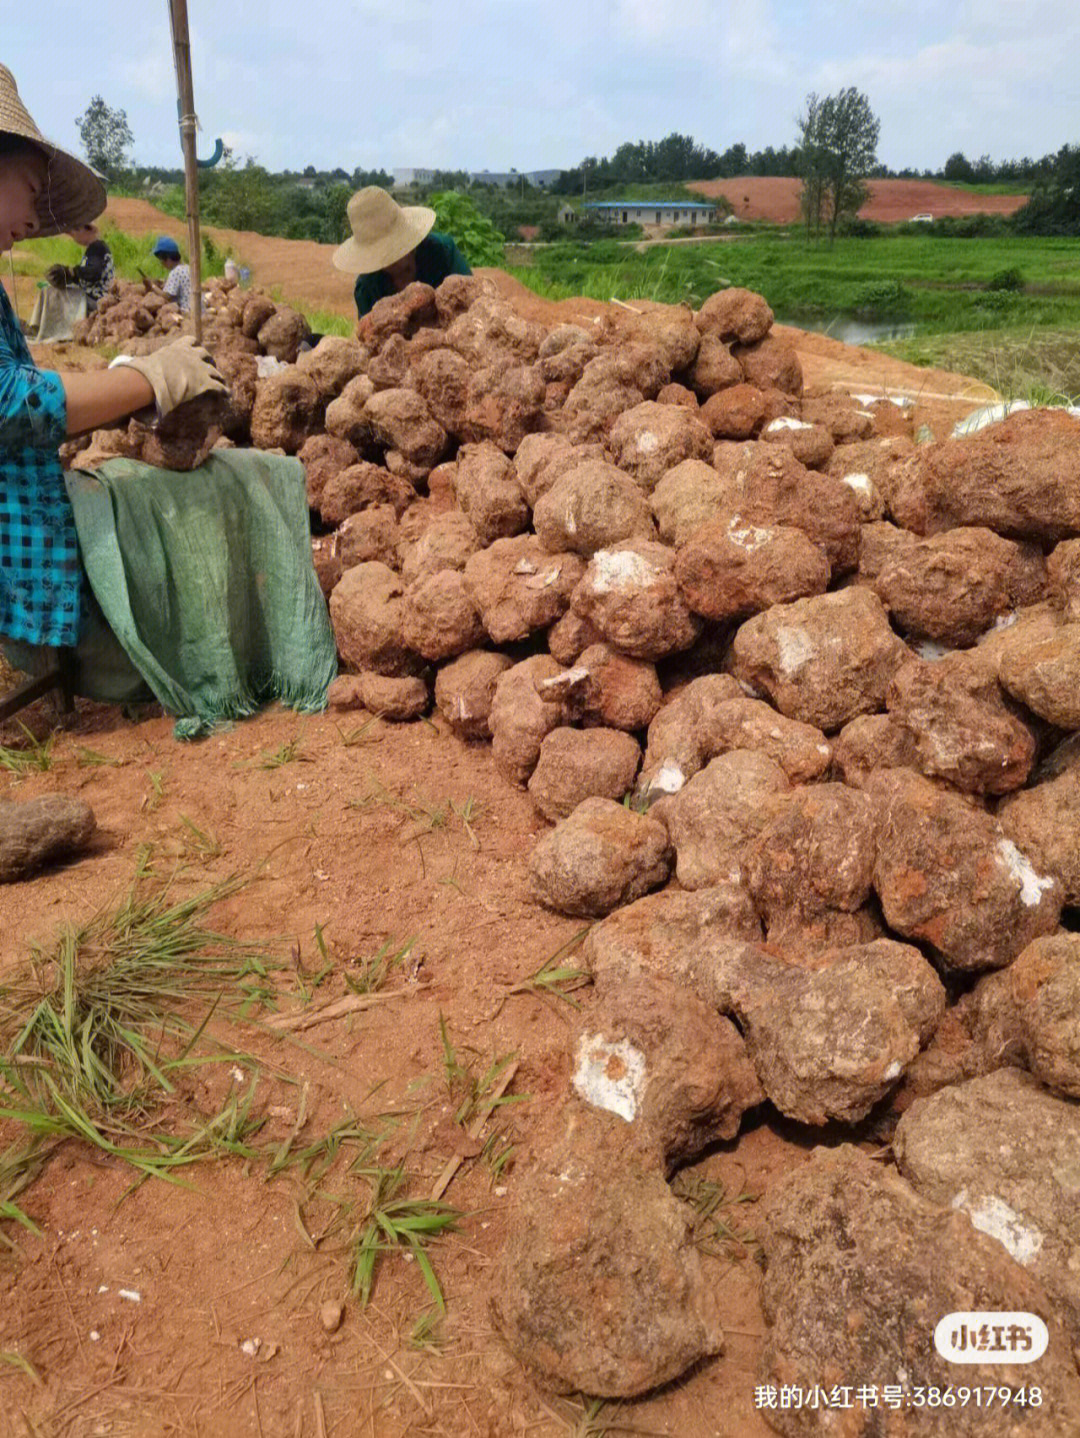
point(73, 193)
point(383, 231)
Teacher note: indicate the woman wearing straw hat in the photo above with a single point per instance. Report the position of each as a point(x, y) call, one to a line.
point(43, 594)
point(391, 246)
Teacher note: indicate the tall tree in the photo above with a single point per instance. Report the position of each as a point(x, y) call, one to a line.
point(106, 137)
point(1054, 206)
point(733, 161)
point(810, 166)
point(959, 167)
point(839, 139)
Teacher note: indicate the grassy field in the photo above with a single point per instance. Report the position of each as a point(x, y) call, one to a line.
point(1005, 309)
point(941, 285)
point(1041, 365)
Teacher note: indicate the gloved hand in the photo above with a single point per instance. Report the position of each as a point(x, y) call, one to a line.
point(178, 372)
point(59, 276)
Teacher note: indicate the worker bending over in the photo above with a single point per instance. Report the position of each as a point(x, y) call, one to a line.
point(93, 274)
point(178, 278)
point(392, 246)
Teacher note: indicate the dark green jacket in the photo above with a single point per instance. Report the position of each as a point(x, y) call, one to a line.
point(436, 257)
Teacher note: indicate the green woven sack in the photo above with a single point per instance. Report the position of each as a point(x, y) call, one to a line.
point(206, 581)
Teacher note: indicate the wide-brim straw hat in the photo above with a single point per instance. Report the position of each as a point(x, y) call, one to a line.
point(383, 231)
point(73, 195)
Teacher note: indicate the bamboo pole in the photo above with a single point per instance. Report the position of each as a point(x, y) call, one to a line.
point(178, 17)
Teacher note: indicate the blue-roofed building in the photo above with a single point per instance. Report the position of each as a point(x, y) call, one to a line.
point(663, 213)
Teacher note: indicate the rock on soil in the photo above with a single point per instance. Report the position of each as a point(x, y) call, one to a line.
point(1044, 823)
point(577, 764)
point(521, 719)
point(389, 698)
point(629, 594)
point(36, 832)
point(602, 1289)
point(591, 506)
point(1005, 1152)
point(947, 874)
point(829, 1043)
point(465, 691)
point(661, 1058)
point(716, 816)
point(859, 1270)
point(600, 856)
point(821, 660)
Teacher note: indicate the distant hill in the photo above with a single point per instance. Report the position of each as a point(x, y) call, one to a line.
point(755, 197)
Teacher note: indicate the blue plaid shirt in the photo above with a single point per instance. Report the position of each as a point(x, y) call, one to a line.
point(40, 570)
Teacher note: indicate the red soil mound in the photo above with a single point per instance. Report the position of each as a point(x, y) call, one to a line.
point(777, 199)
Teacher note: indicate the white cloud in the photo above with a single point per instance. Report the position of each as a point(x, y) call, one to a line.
point(497, 83)
point(151, 74)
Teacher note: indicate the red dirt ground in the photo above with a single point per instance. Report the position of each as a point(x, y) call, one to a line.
point(777, 199)
point(227, 1260)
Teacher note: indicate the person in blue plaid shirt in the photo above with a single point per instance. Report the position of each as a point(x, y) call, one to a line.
point(45, 191)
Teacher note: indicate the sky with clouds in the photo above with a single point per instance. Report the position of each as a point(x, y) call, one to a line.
point(495, 84)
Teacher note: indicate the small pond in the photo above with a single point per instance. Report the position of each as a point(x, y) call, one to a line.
point(856, 332)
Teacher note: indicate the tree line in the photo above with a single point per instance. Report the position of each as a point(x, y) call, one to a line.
point(834, 154)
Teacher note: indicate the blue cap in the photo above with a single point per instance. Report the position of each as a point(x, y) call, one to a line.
point(164, 245)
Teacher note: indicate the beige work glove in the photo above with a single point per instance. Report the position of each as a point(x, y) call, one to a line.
point(177, 373)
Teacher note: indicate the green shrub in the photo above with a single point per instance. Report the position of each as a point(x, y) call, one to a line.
point(995, 301)
point(477, 238)
point(854, 228)
point(1011, 279)
point(881, 299)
